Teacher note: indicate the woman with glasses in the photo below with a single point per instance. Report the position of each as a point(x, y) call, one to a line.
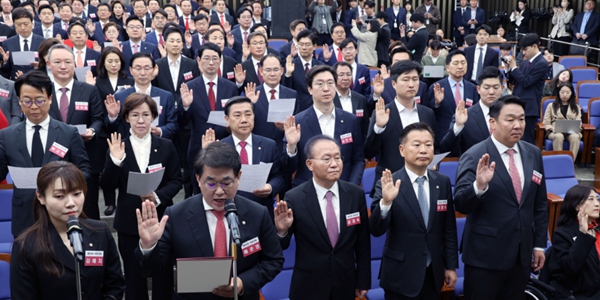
point(565, 107)
point(141, 152)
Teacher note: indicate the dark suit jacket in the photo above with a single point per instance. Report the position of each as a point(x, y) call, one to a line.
point(389, 92)
point(591, 27)
point(351, 15)
point(164, 80)
point(490, 59)
point(91, 56)
point(113, 177)
point(353, 153)
point(167, 120)
point(182, 21)
point(298, 82)
point(285, 50)
point(239, 40)
point(383, 42)
point(228, 67)
point(457, 21)
point(359, 109)
point(524, 28)
point(6, 31)
point(91, 12)
point(99, 34)
point(151, 38)
point(251, 75)
point(500, 232)
point(13, 152)
point(199, 110)
point(362, 74)
point(56, 29)
point(330, 272)
point(187, 235)
point(145, 47)
point(385, 145)
point(214, 18)
point(12, 45)
point(105, 87)
point(444, 112)
point(264, 150)
point(261, 111)
point(403, 264)
point(395, 19)
point(30, 281)
point(529, 83)
point(10, 105)
point(479, 16)
point(417, 43)
point(331, 62)
point(475, 131)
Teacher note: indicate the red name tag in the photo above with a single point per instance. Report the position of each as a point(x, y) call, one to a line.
point(469, 102)
point(188, 76)
point(346, 138)
point(418, 99)
point(361, 80)
point(83, 106)
point(154, 168)
point(537, 177)
point(94, 258)
point(442, 205)
point(2, 38)
point(359, 113)
point(230, 75)
point(4, 93)
point(352, 219)
point(91, 63)
point(251, 246)
point(59, 149)
point(93, 16)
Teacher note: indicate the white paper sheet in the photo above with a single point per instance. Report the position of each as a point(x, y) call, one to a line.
point(144, 183)
point(82, 128)
point(254, 177)
point(202, 275)
point(157, 101)
point(81, 73)
point(217, 117)
point(107, 44)
point(23, 58)
point(24, 178)
point(436, 159)
point(280, 109)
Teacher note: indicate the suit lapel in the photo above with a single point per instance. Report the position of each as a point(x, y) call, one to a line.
point(527, 160)
point(199, 227)
point(500, 170)
point(256, 150)
point(311, 202)
point(395, 116)
point(409, 195)
point(204, 95)
point(155, 154)
point(263, 101)
point(345, 200)
point(313, 121)
point(132, 161)
point(480, 120)
point(339, 123)
point(434, 194)
point(75, 93)
point(355, 103)
point(165, 65)
point(21, 140)
point(337, 102)
point(52, 137)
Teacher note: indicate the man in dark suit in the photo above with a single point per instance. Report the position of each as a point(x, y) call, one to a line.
point(135, 31)
point(471, 126)
point(78, 103)
point(46, 27)
point(198, 38)
point(418, 42)
point(501, 189)
point(445, 94)
point(348, 100)
point(396, 16)
point(388, 92)
point(473, 17)
point(25, 40)
point(103, 14)
point(221, 16)
point(340, 14)
point(140, 10)
point(529, 80)
point(296, 27)
point(353, 13)
point(421, 248)
point(459, 31)
point(218, 170)
point(6, 32)
point(9, 102)
point(91, 10)
point(257, 44)
point(186, 17)
point(334, 55)
point(24, 145)
point(383, 140)
point(156, 36)
point(201, 96)
point(480, 55)
point(240, 34)
point(586, 31)
point(383, 39)
point(333, 251)
point(297, 68)
point(65, 12)
point(84, 56)
point(361, 76)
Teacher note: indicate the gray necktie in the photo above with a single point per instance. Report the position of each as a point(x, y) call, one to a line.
point(479, 64)
point(422, 197)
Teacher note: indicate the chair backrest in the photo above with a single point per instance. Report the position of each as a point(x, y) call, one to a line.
point(448, 167)
point(368, 180)
point(559, 172)
point(373, 73)
point(4, 280)
point(584, 73)
point(277, 43)
point(587, 89)
point(279, 287)
point(545, 102)
point(594, 111)
point(375, 265)
point(573, 61)
point(318, 52)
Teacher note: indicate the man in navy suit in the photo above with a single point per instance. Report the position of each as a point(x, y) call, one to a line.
point(65, 12)
point(338, 35)
point(244, 18)
point(529, 80)
point(361, 76)
point(446, 94)
point(389, 120)
point(91, 10)
point(96, 32)
point(481, 55)
point(201, 96)
point(135, 31)
point(141, 11)
point(323, 118)
point(162, 242)
point(473, 17)
point(353, 13)
point(501, 189)
point(199, 38)
point(333, 252)
point(84, 56)
point(296, 69)
point(421, 248)
point(221, 16)
point(471, 126)
point(459, 31)
point(296, 27)
point(396, 17)
point(418, 42)
point(348, 100)
point(25, 40)
point(389, 92)
point(156, 36)
point(257, 44)
point(586, 31)
point(186, 18)
point(47, 28)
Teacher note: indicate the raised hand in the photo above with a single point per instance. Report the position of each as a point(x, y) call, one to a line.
point(149, 228)
point(239, 73)
point(438, 92)
point(162, 50)
point(187, 95)
point(292, 133)
point(90, 27)
point(385, 73)
point(289, 65)
point(378, 85)
point(208, 137)
point(230, 39)
point(389, 188)
point(382, 115)
point(18, 74)
point(227, 27)
point(485, 172)
point(5, 55)
point(284, 217)
point(97, 46)
point(326, 52)
point(250, 91)
point(112, 107)
point(89, 78)
point(293, 50)
point(59, 38)
point(115, 146)
point(188, 39)
point(245, 51)
point(582, 217)
point(461, 114)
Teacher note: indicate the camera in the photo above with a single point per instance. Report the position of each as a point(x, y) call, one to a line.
point(505, 59)
point(449, 45)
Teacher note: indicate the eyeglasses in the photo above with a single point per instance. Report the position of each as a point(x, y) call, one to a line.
point(137, 116)
point(328, 160)
point(225, 185)
point(268, 71)
point(28, 103)
point(209, 59)
point(136, 27)
point(257, 43)
point(305, 45)
point(349, 74)
point(321, 84)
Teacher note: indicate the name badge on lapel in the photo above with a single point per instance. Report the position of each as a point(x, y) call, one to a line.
point(81, 105)
point(224, 102)
point(353, 219)
point(360, 113)
point(91, 63)
point(418, 99)
point(93, 16)
point(2, 38)
point(361, 80)
point(4, 93)
point(469, 102)
point(251, 246)
point(94, 258)
point(154, 168)
point(59, 149)
point(442, 205)
point(537, 177)
point(188, 76)
point(230, 75)
point(346, 138)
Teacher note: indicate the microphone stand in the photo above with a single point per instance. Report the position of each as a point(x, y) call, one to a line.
point(234, 268)
point(78, 277)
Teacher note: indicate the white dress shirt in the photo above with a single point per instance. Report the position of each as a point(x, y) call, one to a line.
point(346, 101)
point(506, 160)
point(413, 179)
point(268, 89)
point(174, 67)
point(406, 116)
point(238, 147)
point(43, 133)
point(148, 91)
point(58, 93)
point(29, 41)
point(486, 116)
point(327, 124)
point(335, 200)
point(47, 31)
point(255, 63)
point(476, 60)
point(304, 63)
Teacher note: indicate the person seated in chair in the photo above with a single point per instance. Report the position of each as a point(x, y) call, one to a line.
point(565, 107)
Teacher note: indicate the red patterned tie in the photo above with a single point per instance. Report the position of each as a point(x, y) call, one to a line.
point(457, 95)
point(64, 104)
point(187, 24)
point(223, 20)
point(245, 36)
point(161, 41)
point(514, 174)
point(306, 68)
point(260, 78)
point(211, 96)
point(339, 56)
point(273, 91)
point(243, 153)
point(220, 247)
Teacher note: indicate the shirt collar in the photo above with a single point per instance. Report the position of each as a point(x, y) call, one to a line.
point(82, 51)
point(321, 191)
point(319, 113)
point(69, 86)
point(147, 92)
point(236, 140)
point(342, 96)
point(304, 62)
point(453, 82)
point(484, 109)
point(502, 148)
point(171, 62)
point(268, 89)
point(402, 107)
point(206, 80)
point(413, 177)
point(137, 140)
point(535, 56)
point(45, 124)
point(28, 38)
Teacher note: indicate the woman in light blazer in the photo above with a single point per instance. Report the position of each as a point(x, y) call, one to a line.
point(563, 108)
point(562, 17)
point(367, 54)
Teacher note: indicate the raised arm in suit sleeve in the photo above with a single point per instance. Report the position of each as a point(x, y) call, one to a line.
point(362, 248)
point(571, 253)
point(373, 141)
point(465, 199)
point(171, 126)
point(533, 77)
point(378, 225)
point(113, 283)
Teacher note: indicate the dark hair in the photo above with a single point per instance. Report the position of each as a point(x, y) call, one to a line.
point(572, 100)
point(136, 99)
point(161, 12)
point(102, 73)
point(525, 1)
point(435, 45)
point(337, 24)
point(142, 55)
point(485, 27)
point(529, 39)
point(576, 195)
point(403, 67)
point(77, 23)
point(201, 8)
point(134, 18)
point(374, 25)
point(45, 6)
point(218, 155)
point(348, 41)
point(310, 144)
point(241, 11)
point(295, 23)
point(543, 49)
point(113, 8)
point(341, 64)
point(36, 79)
point(237, 100)
point(259, 34)
point(370, 4)
point(171, 30)
point(169, 5)
point(134, 1)
point(497, 106)
point(199, 17)
point(108, 25)
point(21, 12)
point(30, 4)
point(490, 72)
point(381, 15)
point(259, 25)
point(452, 54)
point(211, 31)
point(209, 46)
point(43, 51)
point(554, 82)
point(400, 49)
point(419, 126)
point(81, 1)
point(505, 46)
point(417, 17)
point(471, 39)
point(104, 4)
point(38, 238)
point(65, 4)
point(307, 33)
point(269, 55)
point(317, 70)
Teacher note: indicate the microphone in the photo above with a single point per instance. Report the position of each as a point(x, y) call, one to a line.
point(232, 218)
point(74, 233)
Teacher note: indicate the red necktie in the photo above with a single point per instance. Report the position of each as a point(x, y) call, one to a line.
point(187, 24)
point(260, 78)
point(160, 40)
point(243, 153)
point(306, 68)
point(273, 91)
point(219, 72)
point(223, 20)
point(245, 36)
point(514, 174)
point(339, 56)
point(332, 223)
point(211, 96)
point(457, 96)
point(66, 26)
point(220, 248)
point(64, 104)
